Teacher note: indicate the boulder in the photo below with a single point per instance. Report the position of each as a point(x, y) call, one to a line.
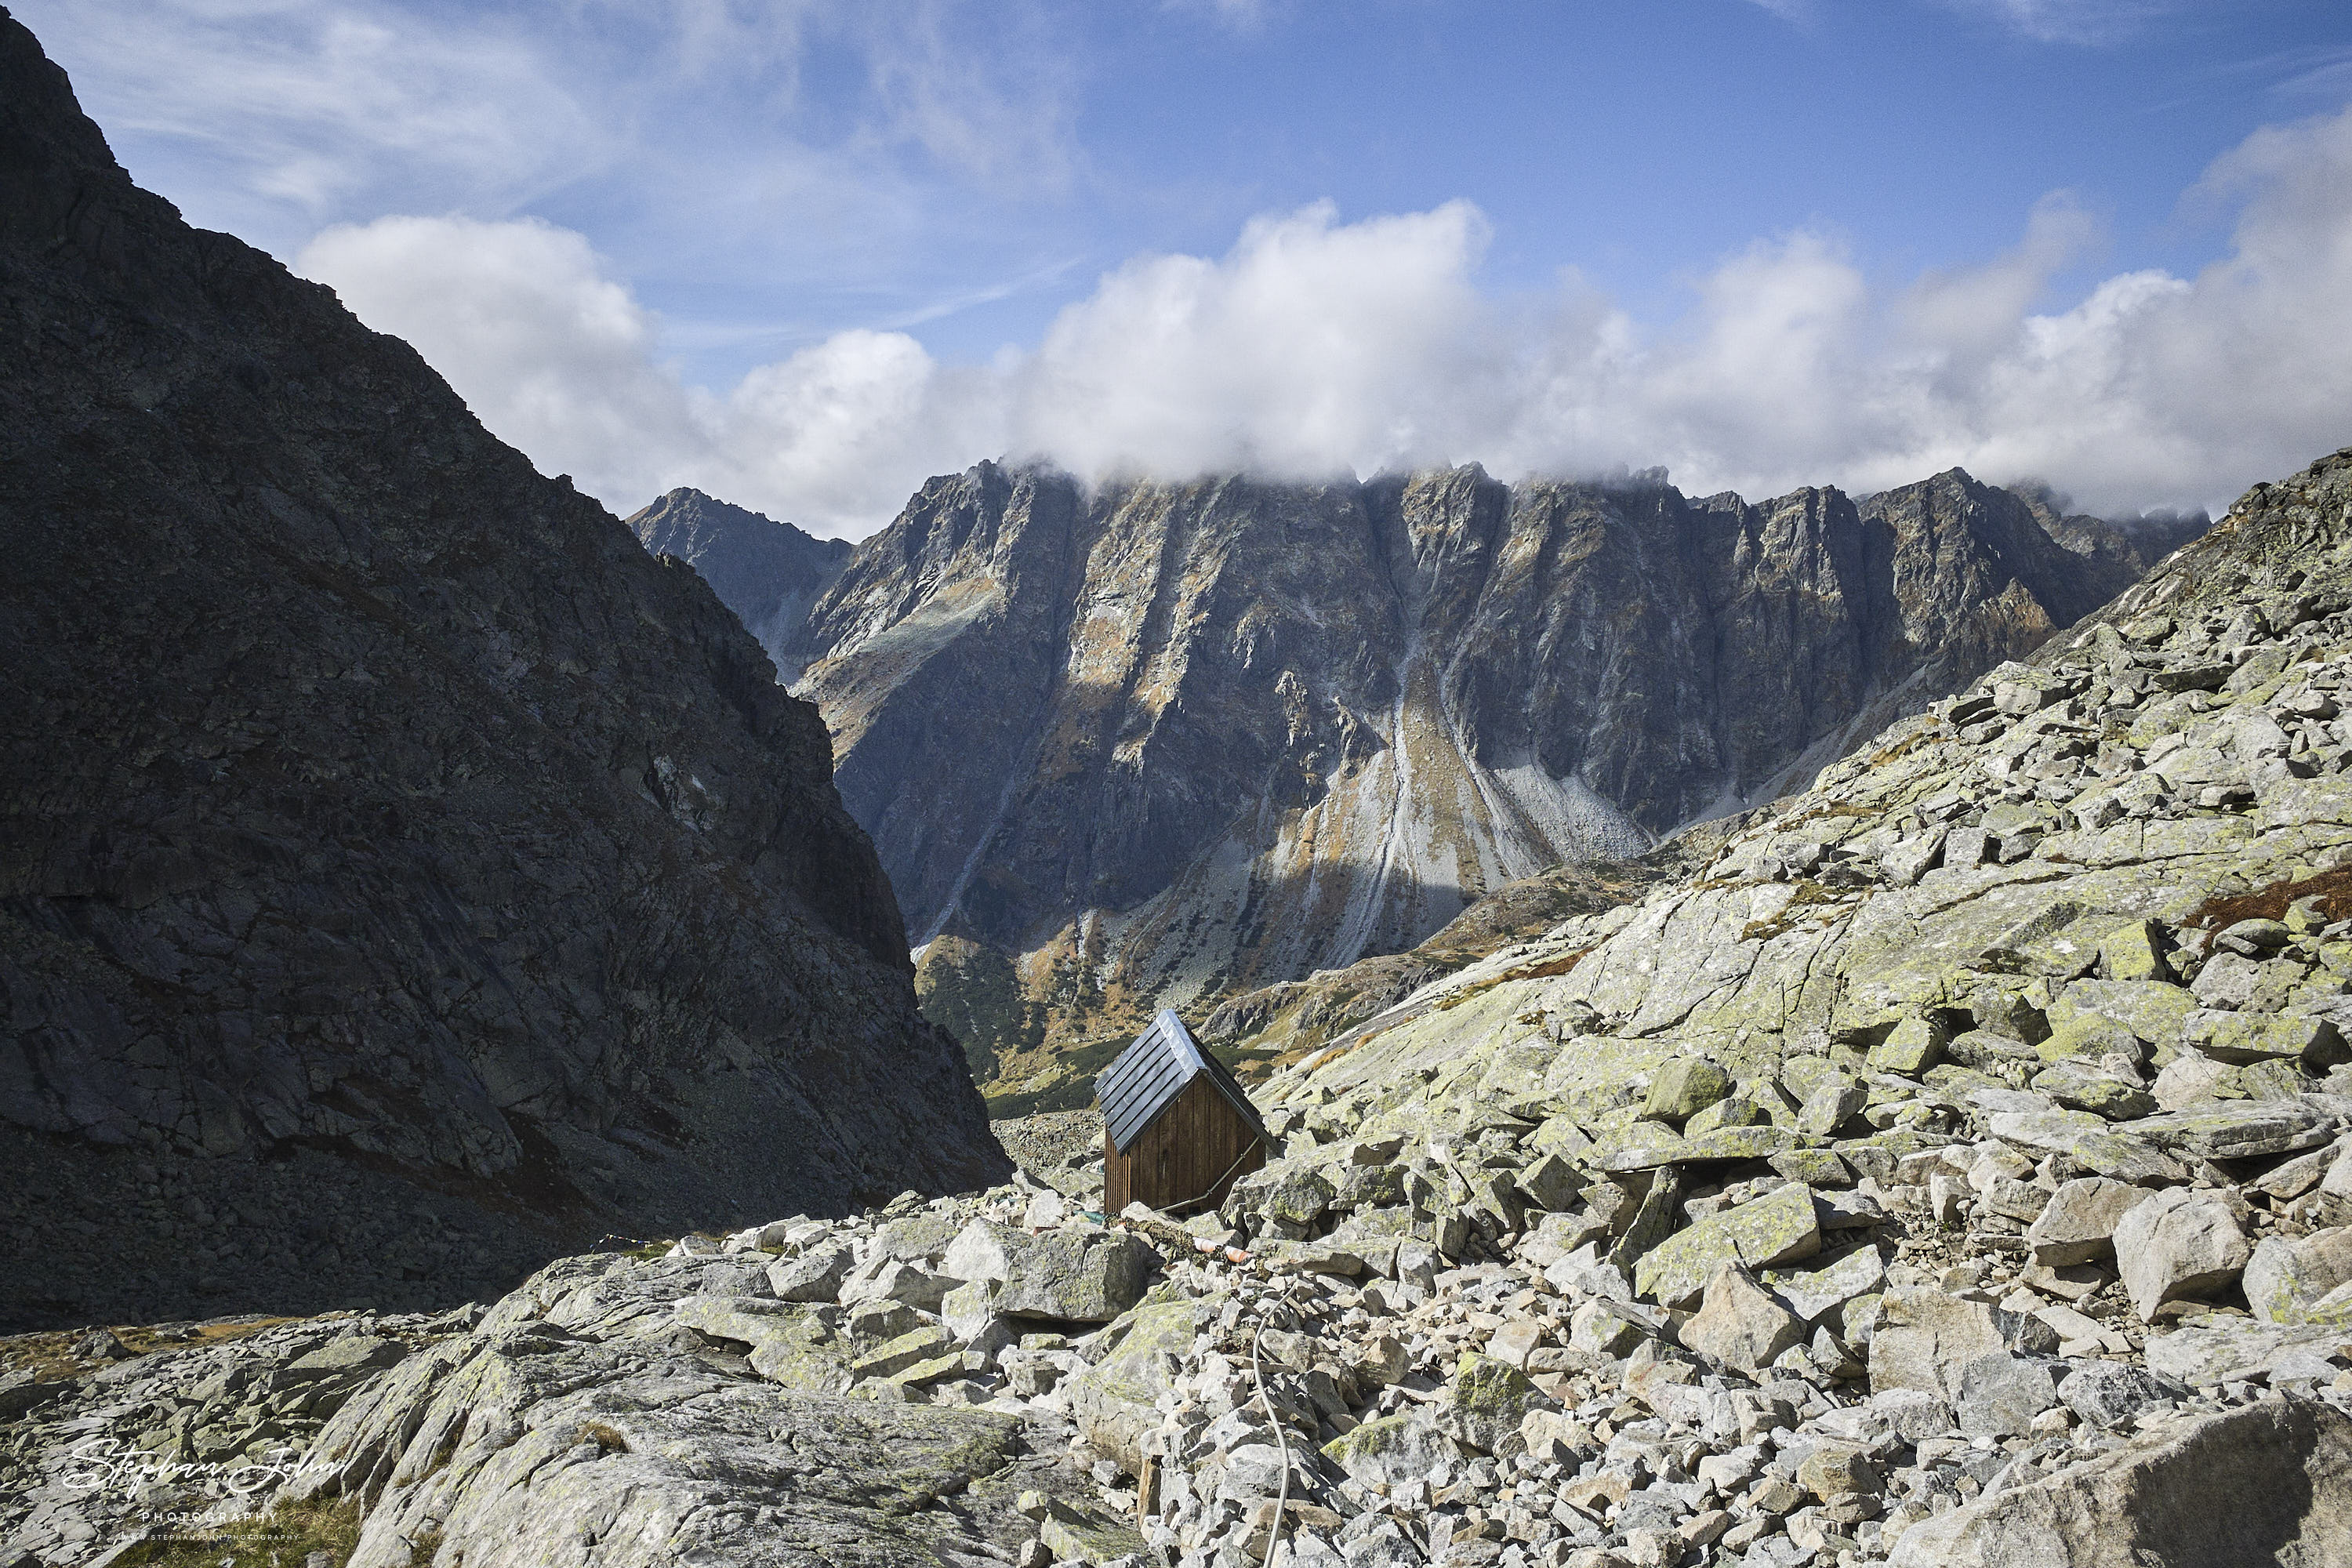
point(1116, 1401)
point(1927, 1339)
point(1082, 1275)
point(2180, 1243)
point(1911, 1415)
point(1682, 1088)
point(791, 1345)
point(2111, 1394)
point(1607, 1328)
point(1741, 1323)
point(1815, 1295)
point(2263, 1485)
point(812, 1277)
point(2079, 1224)
point(1515, 1341)
point(2237, 1129)
point(2090, 1143)
point(2219, 1350)
point(1298, 1197)
point(2305, 1281)
point(1486, 1399)
point(2080, 1086)
point(1392, 1449)
point(2150, 1010)
point(1551, 1184)
point(917, 1239)
point(1999, 1394)
point(1910, 1048)
point(1779, 1227)
point(2240, 1037)
point(1835, 1469)
point(894, 1356)
point(881, 1279)
point(1830, 1107)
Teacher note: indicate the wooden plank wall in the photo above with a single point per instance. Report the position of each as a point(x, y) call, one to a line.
point(1195, 1144)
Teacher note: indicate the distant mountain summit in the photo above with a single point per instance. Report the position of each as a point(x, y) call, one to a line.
point(403, 877)
point(1167, 742)
point(768, 572)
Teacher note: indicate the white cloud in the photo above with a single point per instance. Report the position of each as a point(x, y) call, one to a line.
point(726, 124)
point(1315, 347)
point(2071, 21)
point(2045, 21)
point(308, 108)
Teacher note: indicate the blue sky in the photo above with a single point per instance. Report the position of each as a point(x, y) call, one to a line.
point(804, 253)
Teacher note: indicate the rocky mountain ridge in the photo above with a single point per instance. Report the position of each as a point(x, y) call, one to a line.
point(1168, 743)
point(403, 878)
point(769, 573)
point(1956, 1169)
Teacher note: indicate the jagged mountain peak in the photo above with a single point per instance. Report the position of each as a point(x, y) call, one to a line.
point(1171, 741)
point(769, 573)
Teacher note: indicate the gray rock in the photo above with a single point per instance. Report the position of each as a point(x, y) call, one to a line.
point(348, 1353)
point(1927, 1340)
point(1999, 1394)
point(1684, 1088)
point(2079, 1224)
point(882, 1278)
point(2267, 1484)
point(1742, 1324)
point(2302, 1281)
point(2111, 1394)
point(1911, 1414)
point(813, 1275)
point(1779, 1227)
point(1077, 1275)
point(2237, 1129)
point(1817, 1294)
point(1392, 1449)
point(2227, 1350)
point(2179, 1244)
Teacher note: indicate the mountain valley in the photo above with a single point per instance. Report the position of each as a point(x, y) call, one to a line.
point(1951, 1166)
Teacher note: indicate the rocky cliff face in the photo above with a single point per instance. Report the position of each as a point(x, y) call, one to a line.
point(769, 573)
point(402, 873)
point(1169, 742)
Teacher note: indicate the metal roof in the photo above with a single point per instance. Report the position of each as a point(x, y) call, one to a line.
point(1150, 1074)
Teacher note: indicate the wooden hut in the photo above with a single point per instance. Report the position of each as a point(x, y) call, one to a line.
point(1177, 1127)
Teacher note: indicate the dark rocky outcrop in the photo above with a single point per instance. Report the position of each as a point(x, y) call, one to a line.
point(769, 573)
point(1168, 744)
point(402, 873)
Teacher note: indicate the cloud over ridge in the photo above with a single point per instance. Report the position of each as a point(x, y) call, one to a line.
point(1315, 347)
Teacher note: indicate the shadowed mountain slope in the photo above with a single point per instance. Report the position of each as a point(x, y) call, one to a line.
point(769, 573)
point(402, 873)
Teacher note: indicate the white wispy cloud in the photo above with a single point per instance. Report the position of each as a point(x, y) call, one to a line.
point(2046, 21)
point(302, 113)
point(2073, 21)
point(1315, 347)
